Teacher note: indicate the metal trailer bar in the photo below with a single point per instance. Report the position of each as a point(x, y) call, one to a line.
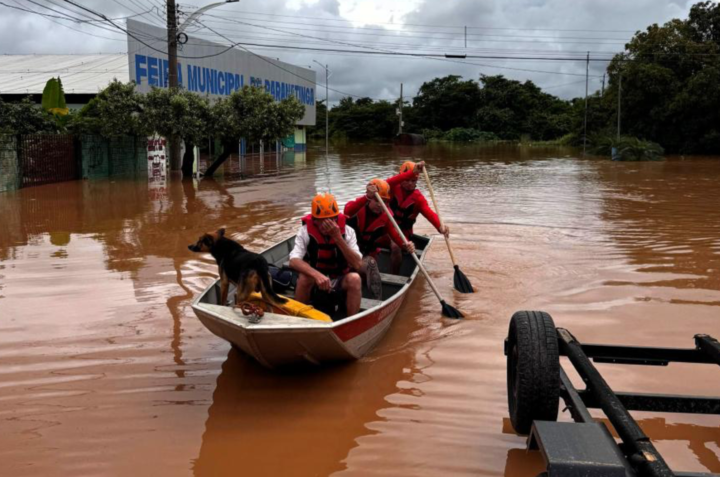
point(653, 356)
point(575, 403)
point(659, 402)
point(642, 455)
point(709, 346)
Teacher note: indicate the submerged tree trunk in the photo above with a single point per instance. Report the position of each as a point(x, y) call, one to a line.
point(219, 161)
point(188, 160)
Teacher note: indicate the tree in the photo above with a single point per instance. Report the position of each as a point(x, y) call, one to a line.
point(25, 117)
point(670, 82)
point(177, 113)
point(511, 109)
point(446, 103)
point(252, 113)
point(113, 112)
point(363, 119)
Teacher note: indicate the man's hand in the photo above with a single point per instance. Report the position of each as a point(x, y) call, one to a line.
point(330, 228)
point(419, 166)
point(371, 191)
point(322, 282)
point(445, 230)
point(409, 247)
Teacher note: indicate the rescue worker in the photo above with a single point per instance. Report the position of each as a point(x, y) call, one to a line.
point(324, 256)
point(407, 203)
point(373, 230)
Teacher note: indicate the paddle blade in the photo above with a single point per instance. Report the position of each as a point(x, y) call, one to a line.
point(451, 312)
point(461, 282)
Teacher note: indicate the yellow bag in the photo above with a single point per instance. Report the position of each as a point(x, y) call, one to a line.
point(290, 308)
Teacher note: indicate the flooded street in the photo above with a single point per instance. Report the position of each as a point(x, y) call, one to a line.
point(105, 370)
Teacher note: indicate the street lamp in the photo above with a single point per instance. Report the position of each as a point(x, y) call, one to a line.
point(199, 12)
point(327, 107)
point(174, 33)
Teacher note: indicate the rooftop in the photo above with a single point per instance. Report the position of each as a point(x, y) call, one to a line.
point(80, 74)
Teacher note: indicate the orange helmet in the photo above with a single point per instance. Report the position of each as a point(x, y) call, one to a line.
point(382, 187)
point(324, 206)
point(407, 166)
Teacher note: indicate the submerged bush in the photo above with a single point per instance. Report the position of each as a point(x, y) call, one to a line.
point(626, 148)
point(460, 135)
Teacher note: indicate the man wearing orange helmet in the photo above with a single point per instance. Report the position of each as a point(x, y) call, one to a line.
point(325, 252)
point(373, 230)
point(407, 203)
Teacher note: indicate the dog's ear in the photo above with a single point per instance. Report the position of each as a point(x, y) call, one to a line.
point(221, 232)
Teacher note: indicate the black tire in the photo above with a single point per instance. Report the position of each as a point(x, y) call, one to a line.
point(533, 369)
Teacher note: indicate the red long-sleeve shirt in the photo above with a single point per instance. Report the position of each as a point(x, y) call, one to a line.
point(422, 203)
point(354, 206)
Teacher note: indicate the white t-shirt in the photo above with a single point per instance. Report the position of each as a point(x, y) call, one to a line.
point(302, 239)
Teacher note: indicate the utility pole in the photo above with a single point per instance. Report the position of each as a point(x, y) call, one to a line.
point(619, 96)
point(587, 78)
point(400, 112)
point(327, 113)
point(327, 109)
point(175, 162)
point(603, 86)
point(465, 37)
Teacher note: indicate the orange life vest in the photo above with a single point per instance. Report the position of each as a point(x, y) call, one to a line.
point(323, 254)
point(369, 233)
point(405, 211)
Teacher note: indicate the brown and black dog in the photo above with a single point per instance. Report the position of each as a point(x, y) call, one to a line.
point(247, 270)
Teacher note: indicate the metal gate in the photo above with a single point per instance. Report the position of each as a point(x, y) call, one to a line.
point(47, 158)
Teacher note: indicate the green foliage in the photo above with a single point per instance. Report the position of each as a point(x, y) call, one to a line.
point(176, 113)
point(53, 97)
point(26, 117)
point(671, 83)
point(446, 103)
point(253, 114)
point(512, 109)
point(364, 119)
point(626, 148)
point(113, 112)
point(468, 135)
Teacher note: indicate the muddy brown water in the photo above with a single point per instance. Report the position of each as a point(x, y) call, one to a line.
point(104, 369)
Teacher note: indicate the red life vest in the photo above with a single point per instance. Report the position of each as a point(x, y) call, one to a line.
point(405, 211)
point(322, 253)
point(369, 234)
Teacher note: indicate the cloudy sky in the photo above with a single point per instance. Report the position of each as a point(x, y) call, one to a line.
point(292, 30)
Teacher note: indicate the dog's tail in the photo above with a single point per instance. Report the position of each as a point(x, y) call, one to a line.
point(267, 292)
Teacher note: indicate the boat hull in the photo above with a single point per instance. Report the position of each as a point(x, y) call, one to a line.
point(279, 340)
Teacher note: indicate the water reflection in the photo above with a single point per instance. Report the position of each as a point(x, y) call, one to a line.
point(299, 421)
point(98, 338)
point(699, 439)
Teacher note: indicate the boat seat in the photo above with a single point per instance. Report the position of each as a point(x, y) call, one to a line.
point(394, 279)
point(367, 303)
point(386, 277)
point(387, 251)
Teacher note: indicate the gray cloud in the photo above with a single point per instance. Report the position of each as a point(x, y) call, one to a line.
point(539, 27)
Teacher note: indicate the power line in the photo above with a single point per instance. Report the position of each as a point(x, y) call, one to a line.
point(430, 26)
point(402, 33)
point(71, 2)
point(400, 53)
point(278, 66)
point(64, 17)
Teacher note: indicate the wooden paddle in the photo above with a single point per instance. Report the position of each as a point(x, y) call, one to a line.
point(462, 284)
point(447, 310)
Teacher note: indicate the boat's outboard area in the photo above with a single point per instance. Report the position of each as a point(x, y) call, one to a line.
point(391, 283)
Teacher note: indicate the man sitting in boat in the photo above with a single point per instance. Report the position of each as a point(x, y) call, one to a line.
point(407, 203)
point(374, 231)
point(325, 253)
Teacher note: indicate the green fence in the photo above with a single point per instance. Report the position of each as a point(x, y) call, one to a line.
point(9, 173)
point(45, 158)
point(116, 157)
